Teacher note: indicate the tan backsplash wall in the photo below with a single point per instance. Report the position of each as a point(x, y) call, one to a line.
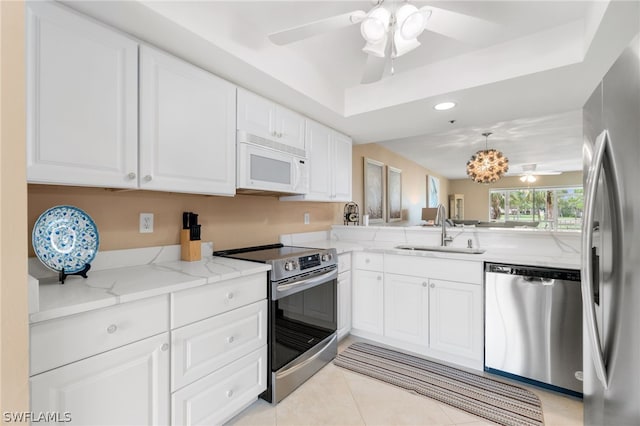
point(229, 222)
point(414, 180)
point(476, 196)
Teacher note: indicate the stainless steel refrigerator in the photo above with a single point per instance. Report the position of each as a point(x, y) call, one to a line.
point(611, 246)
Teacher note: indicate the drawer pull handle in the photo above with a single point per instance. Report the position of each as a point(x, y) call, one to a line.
point(230, 295)
point(379, 278)
point(164, 347)
point(367, 260)
point(230, 339)
point(112, 328)
point(229, 393)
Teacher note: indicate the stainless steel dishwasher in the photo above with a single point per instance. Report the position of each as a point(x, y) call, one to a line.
point(533, 325)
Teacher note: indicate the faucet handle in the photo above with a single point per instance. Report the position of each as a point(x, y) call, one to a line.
point(469, 243)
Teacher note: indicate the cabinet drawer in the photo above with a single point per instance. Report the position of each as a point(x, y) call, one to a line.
point(203, 347)
point(368, 261)
point(344, 262)
point(220, 395)
point(61, 341)
point(445, 269)
point(198, 303)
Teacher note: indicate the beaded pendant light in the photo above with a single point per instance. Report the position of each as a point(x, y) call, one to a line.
point(488, 165)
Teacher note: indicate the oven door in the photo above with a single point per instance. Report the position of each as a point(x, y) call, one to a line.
point(303, 314)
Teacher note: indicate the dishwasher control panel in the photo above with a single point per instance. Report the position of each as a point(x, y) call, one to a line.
point(533, 271)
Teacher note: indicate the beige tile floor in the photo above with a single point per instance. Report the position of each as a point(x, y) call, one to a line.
point(335, 396)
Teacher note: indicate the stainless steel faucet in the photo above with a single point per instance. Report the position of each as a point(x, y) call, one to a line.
point(440, 215)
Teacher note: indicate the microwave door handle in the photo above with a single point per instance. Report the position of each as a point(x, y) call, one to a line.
point(593, 175)
point(296, 174)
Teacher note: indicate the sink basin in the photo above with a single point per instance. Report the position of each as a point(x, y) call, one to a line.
point(442, 249)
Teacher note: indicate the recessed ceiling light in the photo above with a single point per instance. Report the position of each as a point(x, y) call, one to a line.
point(443, 106)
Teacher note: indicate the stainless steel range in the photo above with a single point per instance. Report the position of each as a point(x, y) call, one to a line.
point(302, 289)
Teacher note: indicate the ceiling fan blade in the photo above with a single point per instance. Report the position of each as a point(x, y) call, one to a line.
point(461, 27)
point(317, 27)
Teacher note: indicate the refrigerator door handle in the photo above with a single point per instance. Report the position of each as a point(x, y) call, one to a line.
point(593, 176)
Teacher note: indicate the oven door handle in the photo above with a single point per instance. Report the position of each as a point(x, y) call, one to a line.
point(298, 286)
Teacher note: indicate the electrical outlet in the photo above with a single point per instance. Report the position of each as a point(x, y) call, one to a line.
point(146, 223)
point(306, 218)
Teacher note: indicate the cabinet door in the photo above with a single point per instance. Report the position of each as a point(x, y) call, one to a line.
point(217, 397)
point(406, 306)
point(342, 166)
point(367, 314)
point(290, 128)
point(320, 167)
point(455, 318)
point(187, 127)
point(125, 386)
point(344, 304)
point(256, 115)
point(199, 349)
point(82, 103)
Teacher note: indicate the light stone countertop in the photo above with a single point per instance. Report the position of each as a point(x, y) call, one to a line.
point(108, 287)
point(497, 255)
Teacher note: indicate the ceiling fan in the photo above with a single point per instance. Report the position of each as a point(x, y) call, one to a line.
point(391, 28)
point(530, 173)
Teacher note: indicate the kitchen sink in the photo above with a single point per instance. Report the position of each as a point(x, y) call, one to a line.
point(443, 249)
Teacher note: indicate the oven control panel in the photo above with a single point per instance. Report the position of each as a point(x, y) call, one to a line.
point(315, 259)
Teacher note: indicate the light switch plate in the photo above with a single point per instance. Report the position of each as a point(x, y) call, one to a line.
point(146, 223)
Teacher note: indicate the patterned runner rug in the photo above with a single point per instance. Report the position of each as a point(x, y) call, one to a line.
point(493, 400)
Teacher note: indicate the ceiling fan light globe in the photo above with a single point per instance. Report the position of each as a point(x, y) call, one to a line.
point(413, 25)
point(374, 27)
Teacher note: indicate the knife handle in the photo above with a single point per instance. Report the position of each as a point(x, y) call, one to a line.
point(185, 220)
point(194, 233)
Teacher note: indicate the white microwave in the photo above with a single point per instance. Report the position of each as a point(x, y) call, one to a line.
point(263, 168)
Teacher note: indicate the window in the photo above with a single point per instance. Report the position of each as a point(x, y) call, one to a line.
point(544, 208)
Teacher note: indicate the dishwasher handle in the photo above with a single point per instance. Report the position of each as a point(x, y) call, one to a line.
point(531, 273)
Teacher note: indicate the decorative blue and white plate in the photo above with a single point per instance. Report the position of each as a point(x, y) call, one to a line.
point(65, 237)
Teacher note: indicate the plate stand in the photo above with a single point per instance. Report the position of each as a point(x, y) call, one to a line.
point(83, 273)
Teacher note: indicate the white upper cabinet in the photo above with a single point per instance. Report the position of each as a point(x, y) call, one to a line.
point(265, 119)
point(187, 127)
point(82, 102)
point(329, 154)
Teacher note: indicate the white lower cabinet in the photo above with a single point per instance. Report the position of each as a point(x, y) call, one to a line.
point(201, 348)
point(406, 313)
point(125, 386)
point(455, 318)
point(217, 397)
point(368, 301)
point(344, 304)
point(419, 304)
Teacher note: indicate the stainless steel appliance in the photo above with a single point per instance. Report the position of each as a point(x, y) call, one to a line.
point(302, 291)
point(533, 325)
point(610, 245)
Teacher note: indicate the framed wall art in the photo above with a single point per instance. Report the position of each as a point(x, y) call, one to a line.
point(433, 191)
point(374, 190)
point(394, 194)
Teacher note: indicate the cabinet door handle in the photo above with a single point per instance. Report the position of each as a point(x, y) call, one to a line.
point(279, 135)
point(367, 260)
point(424, 284)
point(229, 295)
point(432, 285)
point(112, 328)
point(164, 347)
point(274, 133)
point(230, 339)
point(379, 278)
point(229, 393)
point(131, 176)
point(148, 178)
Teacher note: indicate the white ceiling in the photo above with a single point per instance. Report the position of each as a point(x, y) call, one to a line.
point(525, 80)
